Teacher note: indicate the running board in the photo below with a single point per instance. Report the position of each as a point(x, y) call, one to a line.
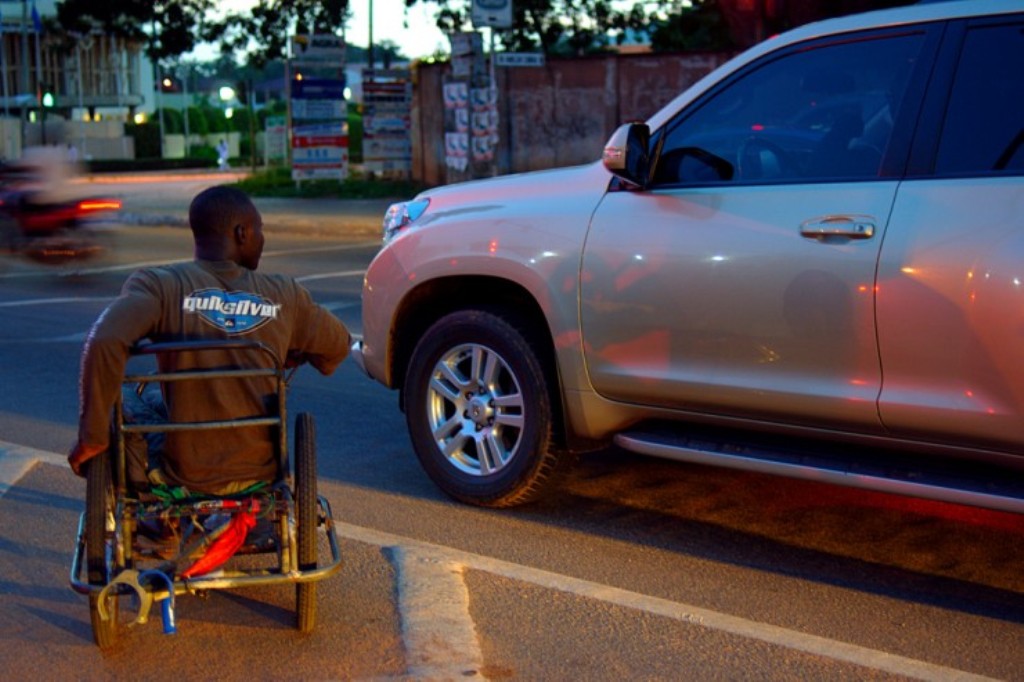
point(887, 476)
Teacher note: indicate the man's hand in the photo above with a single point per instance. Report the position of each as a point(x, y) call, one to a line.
point(82, 453)
point(295, 358)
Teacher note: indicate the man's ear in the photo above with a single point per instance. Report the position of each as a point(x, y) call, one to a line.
point(241, 234)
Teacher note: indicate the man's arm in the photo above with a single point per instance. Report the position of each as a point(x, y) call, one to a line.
point(132, 316)
point(319, 337)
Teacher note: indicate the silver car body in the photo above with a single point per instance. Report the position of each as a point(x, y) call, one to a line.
point(726, 305)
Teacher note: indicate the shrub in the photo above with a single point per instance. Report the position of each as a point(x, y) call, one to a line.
point(197, 124)
point(147, 139)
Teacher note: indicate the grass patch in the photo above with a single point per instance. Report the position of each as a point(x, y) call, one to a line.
point(277, 182)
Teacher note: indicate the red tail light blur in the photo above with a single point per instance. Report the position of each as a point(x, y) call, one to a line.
point(99, 205)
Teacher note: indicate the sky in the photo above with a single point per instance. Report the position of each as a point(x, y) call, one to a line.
point(421, 39)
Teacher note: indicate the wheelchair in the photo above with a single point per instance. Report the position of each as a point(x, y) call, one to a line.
point(270, 533)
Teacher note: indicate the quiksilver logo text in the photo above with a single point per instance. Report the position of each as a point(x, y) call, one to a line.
point(235, 312)
point(217, 304)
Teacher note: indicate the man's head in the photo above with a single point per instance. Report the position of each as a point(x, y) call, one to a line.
point(226, 226)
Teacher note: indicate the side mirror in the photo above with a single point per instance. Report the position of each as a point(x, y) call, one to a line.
point(627, 153)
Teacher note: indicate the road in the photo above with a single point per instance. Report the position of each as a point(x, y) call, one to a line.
point(640, 569)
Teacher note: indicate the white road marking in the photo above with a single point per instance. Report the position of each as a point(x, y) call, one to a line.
point(53, 301)
point(155, 263)
point(329, 275)
point(93, 271)
point(771, 634)
point(436, 622)
point(78, 337)
point(318, 249)
point(17, 460)
point(440, 638)
point(340, 305)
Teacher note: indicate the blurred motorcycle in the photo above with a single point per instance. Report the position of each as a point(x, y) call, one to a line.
point(38, 221)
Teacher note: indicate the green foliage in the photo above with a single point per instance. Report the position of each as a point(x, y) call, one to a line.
point(197, 123)
point(165, 27)
point(204, 152)
point(568, 27)
point(269, 23)
point(131, 165)
point(277, 182)
point(576, 27)
point(215, 120)
point(240, 120)
point(699, 27)
point(355, 135)
point(174, 122)
point(147, 139)
point(276, 107)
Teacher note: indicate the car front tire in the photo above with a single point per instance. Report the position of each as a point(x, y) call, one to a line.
point(478, 409)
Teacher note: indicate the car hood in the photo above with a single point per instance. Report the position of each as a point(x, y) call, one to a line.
point(506, 197)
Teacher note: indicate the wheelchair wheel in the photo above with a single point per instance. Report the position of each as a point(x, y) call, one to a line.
point(306, 512)
point(99, 507)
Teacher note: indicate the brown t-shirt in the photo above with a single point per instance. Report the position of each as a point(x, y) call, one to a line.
point(206, 300)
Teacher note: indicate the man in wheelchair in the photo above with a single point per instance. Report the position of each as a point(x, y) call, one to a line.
point(217, 296)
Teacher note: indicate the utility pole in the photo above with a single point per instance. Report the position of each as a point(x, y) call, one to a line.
point(182, 72)
point(369, 46)
point(23, 80)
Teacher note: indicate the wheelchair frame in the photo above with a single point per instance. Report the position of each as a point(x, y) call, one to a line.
point(109, 559)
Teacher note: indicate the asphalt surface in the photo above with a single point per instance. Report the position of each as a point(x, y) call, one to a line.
point(640, 570)
point(162, 198)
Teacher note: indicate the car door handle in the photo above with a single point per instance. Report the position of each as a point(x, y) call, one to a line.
point(850, 226)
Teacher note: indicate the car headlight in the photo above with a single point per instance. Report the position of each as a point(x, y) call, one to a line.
point(401, 214)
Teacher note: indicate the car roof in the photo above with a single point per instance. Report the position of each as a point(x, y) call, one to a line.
point(921, 12)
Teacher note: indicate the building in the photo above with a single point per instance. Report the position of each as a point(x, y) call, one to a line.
point(80, 97)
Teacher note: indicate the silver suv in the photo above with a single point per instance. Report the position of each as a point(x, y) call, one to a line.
point(810, 263)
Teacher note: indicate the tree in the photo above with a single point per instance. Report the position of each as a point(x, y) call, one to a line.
point(262, 32)
point(166, 28)
point(699, 26)
point(574, 27)
point(570, 27)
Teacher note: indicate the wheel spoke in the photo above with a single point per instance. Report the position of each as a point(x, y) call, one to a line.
point(448, 373)
point(479, 360)
point(515, 421)
point(490, 453)
point(454, 445)
point(447, 428)
point(509, 401)
point(447, 390)
point(492, 368)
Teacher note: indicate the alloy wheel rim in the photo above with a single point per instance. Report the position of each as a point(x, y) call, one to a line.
point(475, 410)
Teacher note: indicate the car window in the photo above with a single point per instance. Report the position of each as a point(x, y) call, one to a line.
point(984, 127)
point(820, 113)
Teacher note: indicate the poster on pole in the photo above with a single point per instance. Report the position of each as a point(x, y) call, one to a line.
point(471, 112)
point(387, 121)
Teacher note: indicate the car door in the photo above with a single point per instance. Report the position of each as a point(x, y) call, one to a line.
point(742, 281)
point(951, 276)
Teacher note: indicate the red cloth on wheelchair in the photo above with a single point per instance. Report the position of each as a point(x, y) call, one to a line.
point(225, 546)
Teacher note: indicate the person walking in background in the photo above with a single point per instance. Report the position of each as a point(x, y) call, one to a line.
point(222, 155)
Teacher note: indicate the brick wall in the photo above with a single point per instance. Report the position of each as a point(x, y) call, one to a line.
point(560, 114)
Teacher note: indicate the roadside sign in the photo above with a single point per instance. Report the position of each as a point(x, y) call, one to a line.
point(318, 47)
point(493, 13)
point(320, 151)
point(319, 88)
point(519, 59)
point(318, 110)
